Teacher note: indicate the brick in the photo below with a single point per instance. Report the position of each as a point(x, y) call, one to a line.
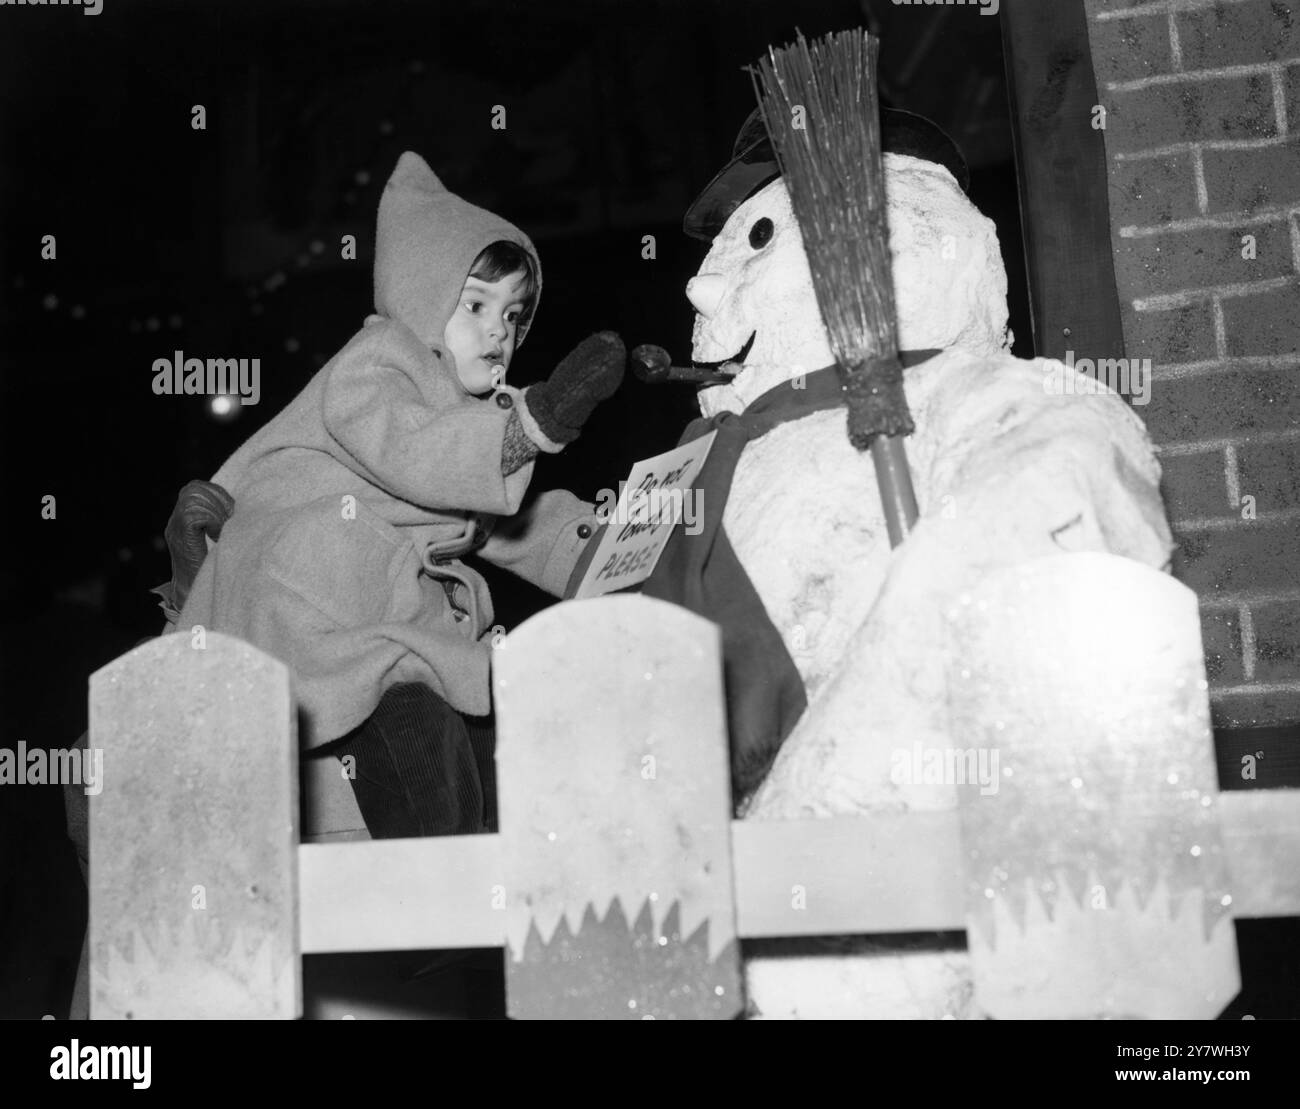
point(1239, 34)
point(1123, 49)
point(1255, 710)
point(1248, 556)
point(1191, 111)
point(1194, 485)
point(1270, 472)
point(1247, 180)
point(1221, 638)
point(1171, 335)
point(1264, 323)
point(1147, 191)
point(1277, 642)
point(1204, 257)
point(1226, 402)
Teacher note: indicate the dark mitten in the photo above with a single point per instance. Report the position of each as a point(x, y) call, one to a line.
point(591, 372)
point(202, 508)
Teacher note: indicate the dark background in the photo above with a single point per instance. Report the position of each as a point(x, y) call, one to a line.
point(224, 242)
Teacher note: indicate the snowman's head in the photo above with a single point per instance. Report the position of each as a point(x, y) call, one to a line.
point(754, 297)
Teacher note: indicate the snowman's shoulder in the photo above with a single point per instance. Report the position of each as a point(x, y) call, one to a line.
point(961, 388)
point(1000, 422)
point(964, 372)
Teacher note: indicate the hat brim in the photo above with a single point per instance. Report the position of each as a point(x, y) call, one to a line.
point(754, 165)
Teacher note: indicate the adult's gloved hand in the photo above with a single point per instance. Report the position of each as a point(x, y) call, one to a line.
point(589, 374)
point(202, 509)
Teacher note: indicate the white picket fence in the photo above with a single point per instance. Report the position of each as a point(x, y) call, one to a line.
point(612, 777)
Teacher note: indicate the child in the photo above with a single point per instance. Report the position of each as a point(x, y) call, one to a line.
point(353, 508)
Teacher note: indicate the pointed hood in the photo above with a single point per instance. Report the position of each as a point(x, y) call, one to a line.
point(425, 243)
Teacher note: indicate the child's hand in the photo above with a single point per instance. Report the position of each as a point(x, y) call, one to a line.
point(591, 372)
point(202, 508)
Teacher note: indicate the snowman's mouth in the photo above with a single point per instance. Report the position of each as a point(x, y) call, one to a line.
point(737, 359)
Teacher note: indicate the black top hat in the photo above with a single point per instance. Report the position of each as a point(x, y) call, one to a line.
point(753, 165)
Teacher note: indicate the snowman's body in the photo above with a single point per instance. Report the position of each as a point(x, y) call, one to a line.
point(1005, 467)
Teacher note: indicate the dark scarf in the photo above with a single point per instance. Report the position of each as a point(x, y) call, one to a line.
point(764, 693)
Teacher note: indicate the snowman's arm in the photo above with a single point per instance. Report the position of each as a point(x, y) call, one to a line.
point(1025, 475)
point(1038, 472)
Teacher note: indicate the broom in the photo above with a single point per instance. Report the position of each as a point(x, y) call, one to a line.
point(823, 117)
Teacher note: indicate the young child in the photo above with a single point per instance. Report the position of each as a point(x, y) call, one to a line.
point(353, 508)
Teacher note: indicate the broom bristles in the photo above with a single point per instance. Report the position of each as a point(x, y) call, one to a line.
point(822, 112)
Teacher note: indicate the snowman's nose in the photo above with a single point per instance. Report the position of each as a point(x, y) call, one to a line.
point(705, 291)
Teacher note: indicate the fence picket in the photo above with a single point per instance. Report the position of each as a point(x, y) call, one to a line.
point(615, 814)
point(194, 839)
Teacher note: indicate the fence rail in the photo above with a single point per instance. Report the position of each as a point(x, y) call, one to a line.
point(619, 874)
point(437, 893)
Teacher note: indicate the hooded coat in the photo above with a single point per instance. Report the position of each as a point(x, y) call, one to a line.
point(355, 505)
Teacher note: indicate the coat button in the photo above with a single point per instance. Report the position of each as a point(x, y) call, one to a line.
point(505, 400)
point(584, 531)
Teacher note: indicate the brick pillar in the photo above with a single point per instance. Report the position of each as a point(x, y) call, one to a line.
point(1202, 133)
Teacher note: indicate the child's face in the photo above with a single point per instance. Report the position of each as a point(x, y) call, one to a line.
point(481, 332)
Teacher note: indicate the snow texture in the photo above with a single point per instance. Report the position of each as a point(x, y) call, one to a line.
point(1007, 467)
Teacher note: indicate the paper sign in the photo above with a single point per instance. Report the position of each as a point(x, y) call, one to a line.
point(655, 498)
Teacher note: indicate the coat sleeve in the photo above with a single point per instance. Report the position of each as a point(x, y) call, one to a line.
point(435, 451)
point(542, 543)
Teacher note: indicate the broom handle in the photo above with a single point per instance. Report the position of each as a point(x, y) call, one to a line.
point(897, 497)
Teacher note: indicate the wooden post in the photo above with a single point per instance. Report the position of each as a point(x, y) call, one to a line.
point(194, 839)
point(1097, 885)
point(615, 814)
point(1061, 166)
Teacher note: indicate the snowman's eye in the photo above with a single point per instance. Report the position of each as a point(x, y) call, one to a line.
point(761, 233)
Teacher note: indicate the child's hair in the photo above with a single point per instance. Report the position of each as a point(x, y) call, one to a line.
point(503, 258)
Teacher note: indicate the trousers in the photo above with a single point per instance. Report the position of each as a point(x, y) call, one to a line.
point(420, 768)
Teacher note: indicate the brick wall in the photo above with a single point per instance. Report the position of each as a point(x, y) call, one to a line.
point(1202, 135)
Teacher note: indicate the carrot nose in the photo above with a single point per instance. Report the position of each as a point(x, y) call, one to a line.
point(705, 291)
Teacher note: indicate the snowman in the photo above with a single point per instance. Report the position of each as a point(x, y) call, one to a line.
point(1011, 460)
